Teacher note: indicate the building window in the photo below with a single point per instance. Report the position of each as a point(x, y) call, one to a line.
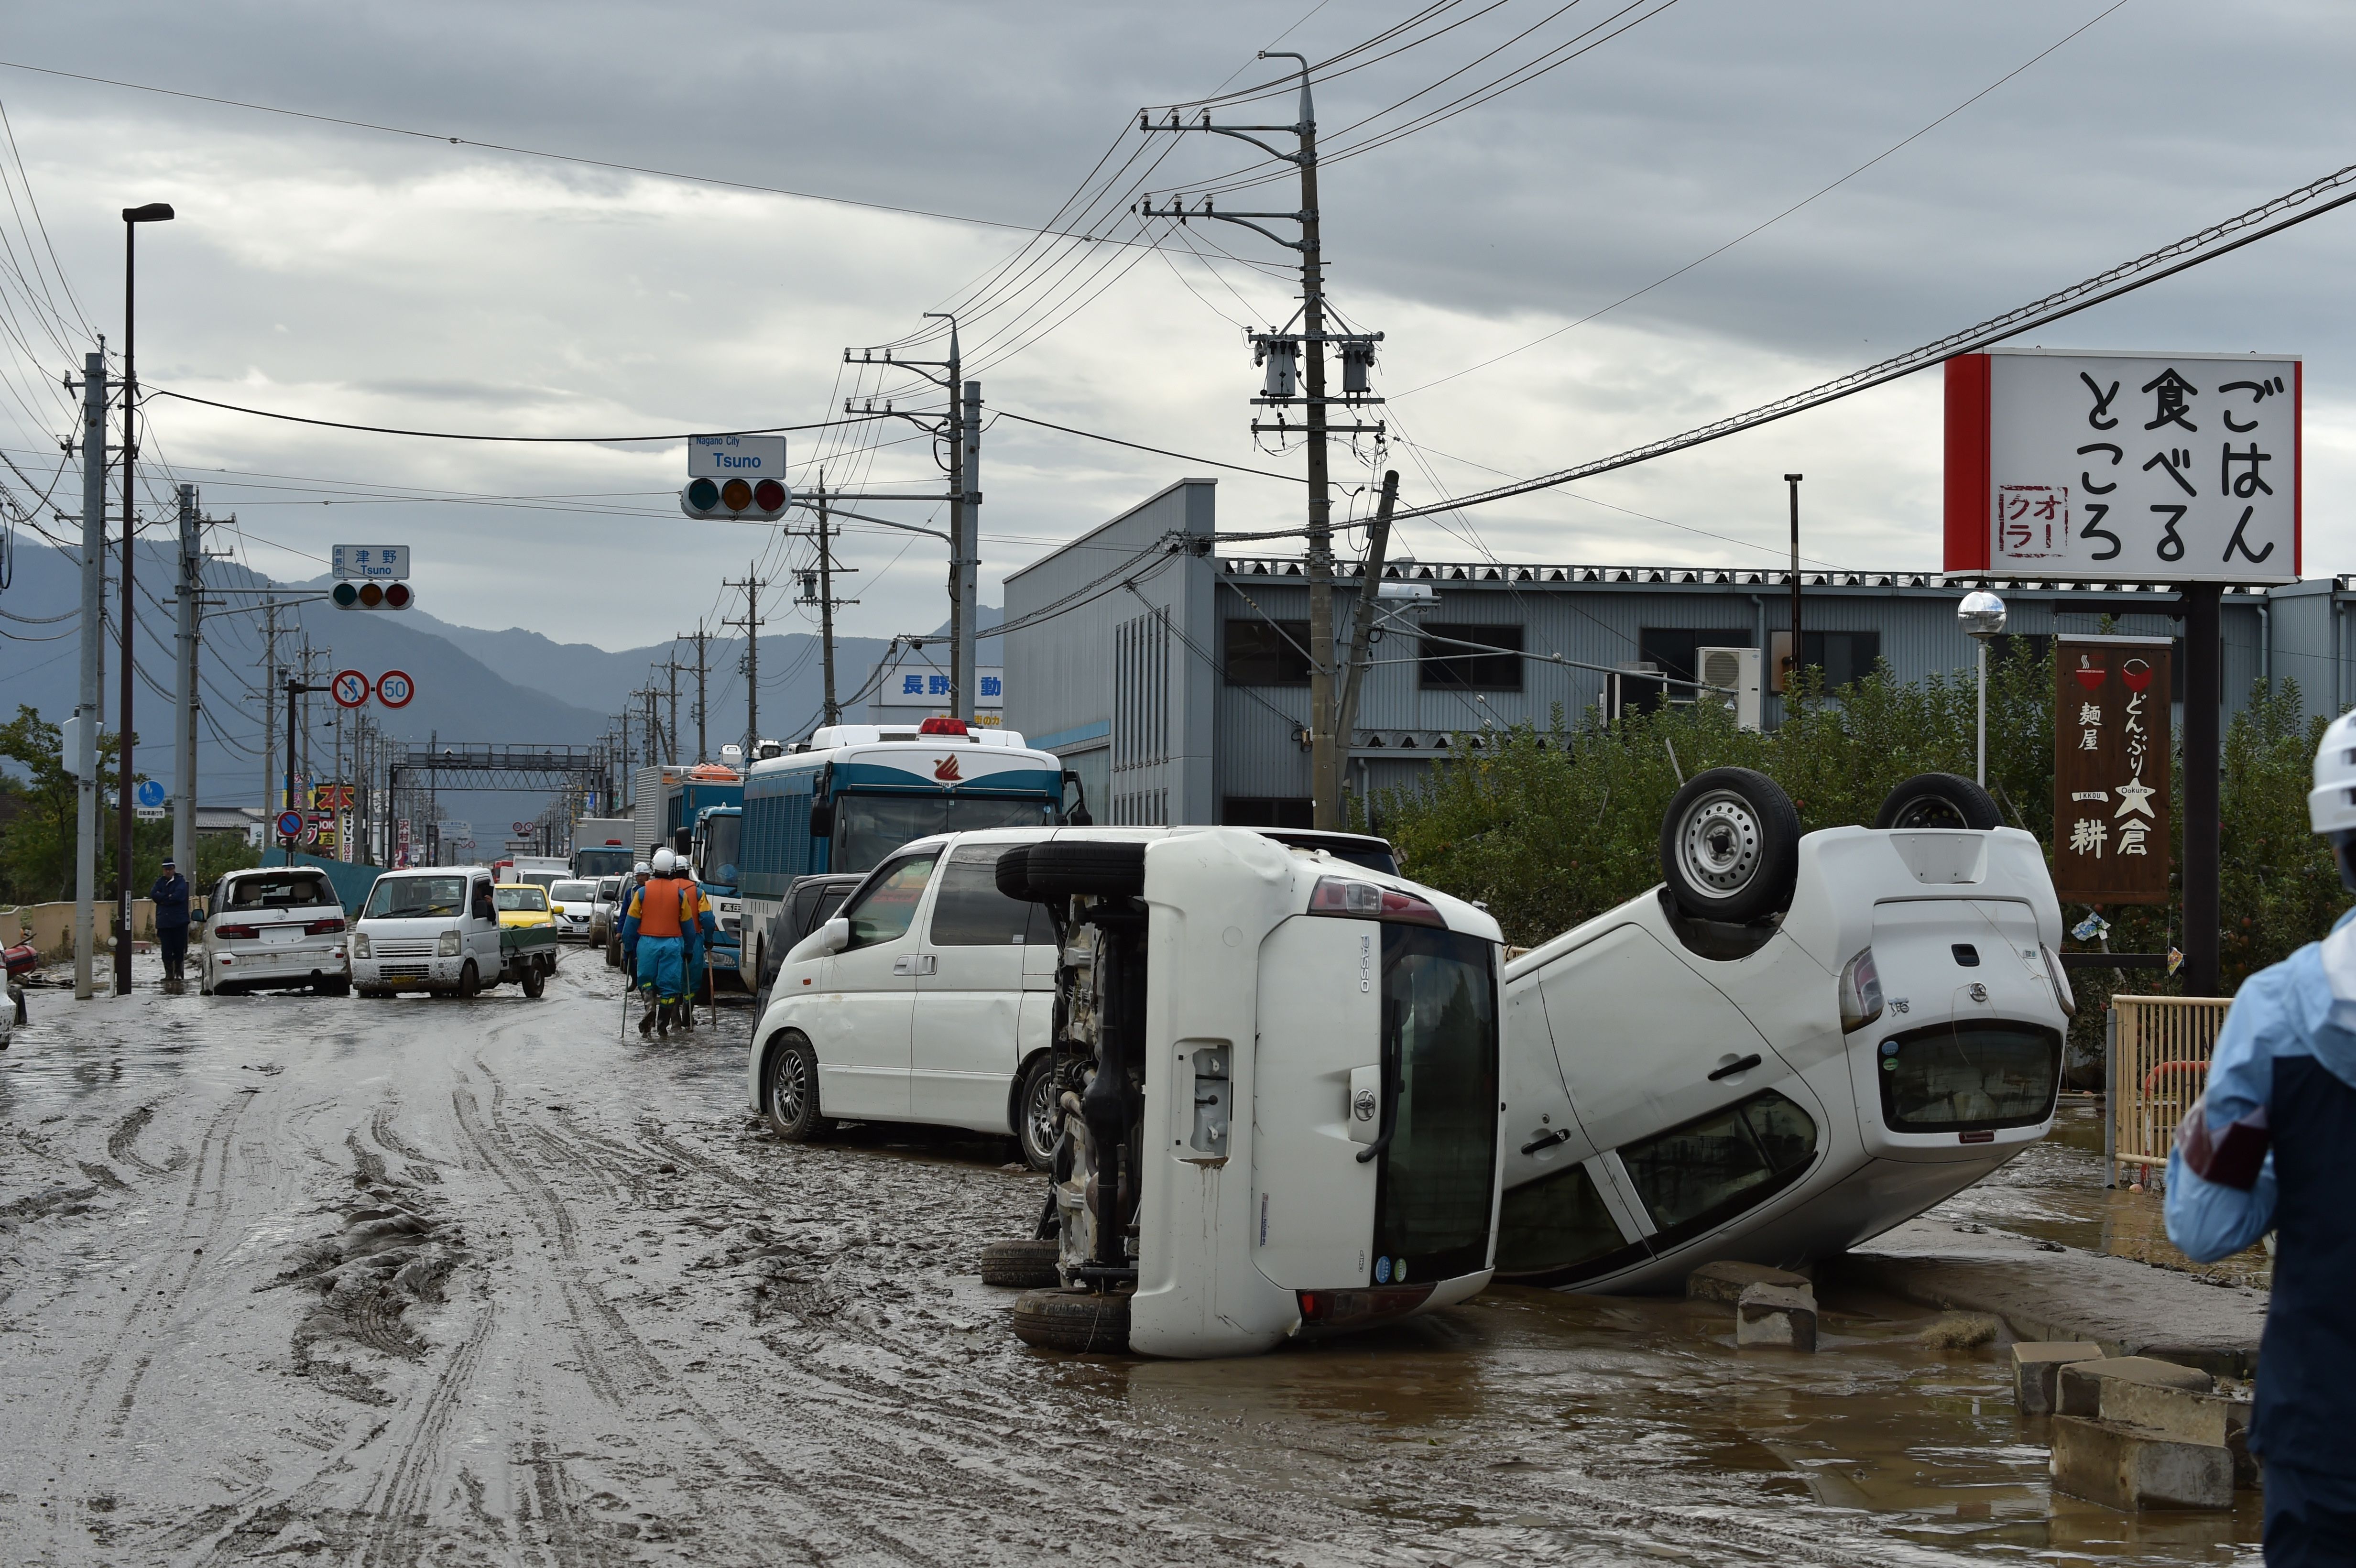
point(1266, 810)
point(1445, 664)
point(1846, 658)
point(1267, 653)
point(1671, 650)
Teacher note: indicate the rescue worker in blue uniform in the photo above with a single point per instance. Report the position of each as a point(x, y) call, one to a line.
point(653, 942)
point(2261, 1151)
point(700, 934)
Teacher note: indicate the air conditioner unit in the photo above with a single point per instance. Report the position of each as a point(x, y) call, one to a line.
point(1734, 669)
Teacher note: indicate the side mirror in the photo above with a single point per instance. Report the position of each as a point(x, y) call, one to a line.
point(1077, 816)
point(822, 819)
point(824, 942)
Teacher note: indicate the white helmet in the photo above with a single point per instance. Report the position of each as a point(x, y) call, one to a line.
point(665, 862)
point(642, 869)
point(2331, 804)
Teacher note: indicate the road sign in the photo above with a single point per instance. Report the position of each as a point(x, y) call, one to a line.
point(148, 812)
point(350, 687)
point(524, 829)
point(384, 562)
point(735, 477)
point(290, 825)
point(149, 793)
point(394, 689)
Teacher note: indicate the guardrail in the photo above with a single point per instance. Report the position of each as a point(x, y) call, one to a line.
point(2159, 1051)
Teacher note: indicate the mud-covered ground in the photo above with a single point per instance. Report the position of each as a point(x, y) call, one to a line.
point(434, 1282)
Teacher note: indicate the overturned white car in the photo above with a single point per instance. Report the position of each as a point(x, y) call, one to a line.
point(1792, 1046)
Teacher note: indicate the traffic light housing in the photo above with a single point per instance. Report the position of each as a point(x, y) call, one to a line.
point(760, 500)
point(372, 596)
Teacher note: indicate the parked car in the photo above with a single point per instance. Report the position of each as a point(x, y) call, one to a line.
point(810, 902)
point(574, 904)
point(437, 928)
point(1791, 1045)
point(604, 915)
point(273, 928)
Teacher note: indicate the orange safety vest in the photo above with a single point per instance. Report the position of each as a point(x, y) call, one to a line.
point(662, 906)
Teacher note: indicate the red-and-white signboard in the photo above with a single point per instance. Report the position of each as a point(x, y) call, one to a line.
point(2129, 467)
point(394, 689)
point(350, 687)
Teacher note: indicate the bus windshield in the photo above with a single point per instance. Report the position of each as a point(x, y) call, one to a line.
point(869, 826)
point(721, 836)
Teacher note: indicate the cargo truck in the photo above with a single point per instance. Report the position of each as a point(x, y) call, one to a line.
point(604, 846)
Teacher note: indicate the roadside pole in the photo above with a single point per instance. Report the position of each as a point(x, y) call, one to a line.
point(184, 716)
point(966, 580)
point(2203, 694)
point(84, 761)
point(833, 709)
point(1362, 626)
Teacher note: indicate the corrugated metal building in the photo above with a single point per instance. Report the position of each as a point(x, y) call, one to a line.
point(1174, 679)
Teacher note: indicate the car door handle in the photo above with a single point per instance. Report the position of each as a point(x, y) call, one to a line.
point(1731, 1068)
point(1547, 1140)
point(916, 963)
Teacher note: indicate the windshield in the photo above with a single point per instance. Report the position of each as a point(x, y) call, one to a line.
point(889, 903)
point(722, 838)
point(405, 898)
point(595, 862)
point(288, 890)
point(1432, 1207)
point(570, 893)
point(539, 879)
point(508, 900)
point(609, 889)
point(869, 826)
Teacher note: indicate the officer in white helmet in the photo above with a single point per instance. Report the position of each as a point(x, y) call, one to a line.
point(2266, 1149)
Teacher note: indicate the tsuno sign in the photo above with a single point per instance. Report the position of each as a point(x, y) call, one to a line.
point(2128, 467)
point(2111, 804)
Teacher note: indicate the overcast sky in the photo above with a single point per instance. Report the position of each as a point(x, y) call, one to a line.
point(359, 275)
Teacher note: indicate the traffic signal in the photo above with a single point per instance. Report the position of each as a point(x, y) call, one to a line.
point(762, 500)
point(373, 596)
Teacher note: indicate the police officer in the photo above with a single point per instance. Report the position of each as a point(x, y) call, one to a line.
point(171, 896)
point(2263, 1150)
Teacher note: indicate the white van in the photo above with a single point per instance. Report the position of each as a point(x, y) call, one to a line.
point(272, 928)
point(434, 928)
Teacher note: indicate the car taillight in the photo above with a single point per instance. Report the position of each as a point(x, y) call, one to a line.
point(1366, 901)
point(1861, 992)
point(1314, 1305)
point(2062, 991)
point(237, 932)
point(322, 928)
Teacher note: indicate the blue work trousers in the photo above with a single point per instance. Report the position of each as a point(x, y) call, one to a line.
point(662, 966)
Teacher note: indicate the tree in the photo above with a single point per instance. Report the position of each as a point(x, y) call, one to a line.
point(36, 849)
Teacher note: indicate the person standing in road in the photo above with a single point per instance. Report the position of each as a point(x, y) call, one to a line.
point(653, 942)
point(2263, 1149)
point(700, 933)
point(171, 896)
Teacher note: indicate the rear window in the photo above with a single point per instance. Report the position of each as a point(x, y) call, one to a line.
point(292, 890)
point(1958, 1079)
point(571, 893)
point(508, 900)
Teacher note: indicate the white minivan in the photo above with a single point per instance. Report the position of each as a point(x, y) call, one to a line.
point(434, 928)
point(272, 928)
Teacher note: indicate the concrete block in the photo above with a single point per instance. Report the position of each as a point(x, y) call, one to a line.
point(2079, 1388)
point(1776, 1315)
point(2187, 1416)
point(1725, 1282)
point(2035, 1368)
point(2131, 1468)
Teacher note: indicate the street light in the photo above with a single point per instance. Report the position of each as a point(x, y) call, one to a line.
point(1982, 616)
point(132, 217)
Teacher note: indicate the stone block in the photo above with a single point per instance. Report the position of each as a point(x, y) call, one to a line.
point(2131, 1468)
point(2079, 1388)
point(2035, 1368)
point(2187, 1416)
point(1776, 1315)
point(1725, 1282)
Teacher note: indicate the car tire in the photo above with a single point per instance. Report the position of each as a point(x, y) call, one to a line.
point(1023, 1265)
point(613, 954)
point(1083, 1322)
point(1730, 847)
point(1035, 1113)
point(790, 1093)
point(1939, 800)
point(334, 987)
point(470, 982)
point(534, 982)
point(1040, 872)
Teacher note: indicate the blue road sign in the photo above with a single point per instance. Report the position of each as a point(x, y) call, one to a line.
point(149, 793)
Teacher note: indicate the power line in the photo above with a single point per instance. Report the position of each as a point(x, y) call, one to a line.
point(469, 435)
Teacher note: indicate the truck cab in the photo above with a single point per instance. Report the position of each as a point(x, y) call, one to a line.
point(718, 846)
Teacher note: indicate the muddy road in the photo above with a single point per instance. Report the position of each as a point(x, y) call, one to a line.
point(426, 1282)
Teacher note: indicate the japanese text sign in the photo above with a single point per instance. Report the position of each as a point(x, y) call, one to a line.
point(736, 457)
point(2111, 802)
point(388, 561)
point(2128, 467)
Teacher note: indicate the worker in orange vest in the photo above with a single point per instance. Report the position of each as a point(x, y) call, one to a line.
point(653, 941)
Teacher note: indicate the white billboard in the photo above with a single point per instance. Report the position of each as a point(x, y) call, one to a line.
point(2125, 466)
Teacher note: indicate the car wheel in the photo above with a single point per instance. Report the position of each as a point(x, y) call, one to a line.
point(1084, 1321)
point(1036, 1114)
point(1026, 1265)
point(1939, 800)
point(1037, 872)
point(1730, 846)
point(789, 1100)
point(470, 982)
point(334, 987)
point(613, 954)
point(534, 982)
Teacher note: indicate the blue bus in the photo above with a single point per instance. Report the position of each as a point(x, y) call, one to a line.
point(857, 791)
point(716, 859)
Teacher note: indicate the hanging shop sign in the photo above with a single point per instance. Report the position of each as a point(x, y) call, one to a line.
point(2112, 812)
point(2125, 467)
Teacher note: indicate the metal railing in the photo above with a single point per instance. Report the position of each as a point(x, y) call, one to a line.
point(2159, 1051)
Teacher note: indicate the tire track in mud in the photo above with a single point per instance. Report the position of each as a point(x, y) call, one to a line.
point(395, 1508)
point(120, 1142)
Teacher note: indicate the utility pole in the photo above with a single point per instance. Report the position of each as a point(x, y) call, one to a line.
point(961, 431)
point(1791, 680)
point(752, 586)
point(125, 814)
point(184, 725)
point(1362, 626)
point(84, 760)
point(670, 741)
point(1278, 349)
point(818, 588)
point(702, 750)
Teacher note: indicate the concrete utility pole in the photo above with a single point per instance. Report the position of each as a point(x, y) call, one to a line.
point(702, 751)
point(269, 711)
point(84, 741)
point(2204, 696)
point(1327, 747)
point(752, 586)
point(818, 588)
point(1792, 681)
point(671, 740)
point(184, 724)
point(1362, 626)
point(965, 681)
